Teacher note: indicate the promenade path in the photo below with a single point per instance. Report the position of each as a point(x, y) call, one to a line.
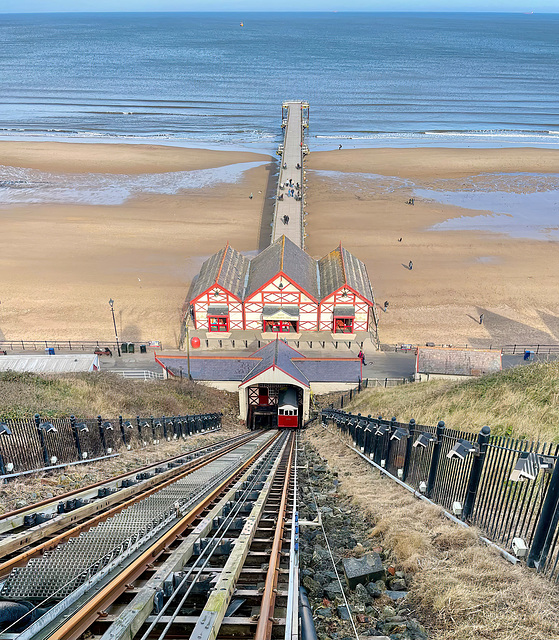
point(292, 157)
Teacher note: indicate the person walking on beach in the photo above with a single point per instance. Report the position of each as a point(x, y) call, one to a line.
point(339, 148)
point(361, 357)
point(385, 308)
point(410, 265)
point(250, 195)
point(481, 319)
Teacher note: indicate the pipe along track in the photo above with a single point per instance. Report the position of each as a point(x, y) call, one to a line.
point(206, 554)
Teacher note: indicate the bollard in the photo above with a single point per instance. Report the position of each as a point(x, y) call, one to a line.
point(475, 473)
point(435, 459)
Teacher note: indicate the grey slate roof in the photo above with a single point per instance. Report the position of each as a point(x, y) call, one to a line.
point(278, 353)
point(242, 277)
point(457, 362)
point(317, 370)
point(283, 255)
point(228, 268)
point(341, 267)
point(210, 368)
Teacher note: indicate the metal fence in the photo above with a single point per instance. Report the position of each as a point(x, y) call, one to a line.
point(38, 444)
point(508, 488)
point(69, 345)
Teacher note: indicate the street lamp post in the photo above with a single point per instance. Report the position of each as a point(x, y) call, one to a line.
point(111, 303)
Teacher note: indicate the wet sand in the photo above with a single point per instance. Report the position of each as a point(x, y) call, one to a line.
point(60, 264)
point(456, 275)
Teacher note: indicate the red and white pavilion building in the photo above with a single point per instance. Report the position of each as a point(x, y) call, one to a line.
point(282, 290)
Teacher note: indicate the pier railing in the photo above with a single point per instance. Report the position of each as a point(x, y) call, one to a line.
point(507, 487)
point(41, 443)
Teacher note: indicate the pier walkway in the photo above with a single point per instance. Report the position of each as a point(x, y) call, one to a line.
point(288, 210)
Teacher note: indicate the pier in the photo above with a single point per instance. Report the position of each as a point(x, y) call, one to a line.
point(289, 209)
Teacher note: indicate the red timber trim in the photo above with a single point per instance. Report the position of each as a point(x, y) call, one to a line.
point(292, 349)
point(355, 293)
point(342, 261)
point(274, 366)
point(281, 274)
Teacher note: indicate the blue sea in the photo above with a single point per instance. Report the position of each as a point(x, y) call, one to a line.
point(201, 79)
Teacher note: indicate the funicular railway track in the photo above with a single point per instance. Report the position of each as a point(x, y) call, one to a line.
point(216, 563)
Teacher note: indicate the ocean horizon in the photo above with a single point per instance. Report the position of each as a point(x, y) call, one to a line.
point(374, 79)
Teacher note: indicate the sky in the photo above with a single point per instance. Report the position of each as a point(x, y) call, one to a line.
point(40, 6)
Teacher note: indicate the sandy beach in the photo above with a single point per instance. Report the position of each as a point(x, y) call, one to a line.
point(457, 275)
point(60, 263)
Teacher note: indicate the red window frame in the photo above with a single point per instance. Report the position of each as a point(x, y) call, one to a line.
point(280, 326)
point(218, 324)
point(344, 326)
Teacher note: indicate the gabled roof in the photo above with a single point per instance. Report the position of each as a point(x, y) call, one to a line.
point(277, 354)
point(64, 363)
point(339, 268)
point(283, 256)
point(227, 268)
point(457, 362)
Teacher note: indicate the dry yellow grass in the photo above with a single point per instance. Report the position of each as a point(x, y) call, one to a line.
point(461, 589)
point(92, 394)
point(521, 402)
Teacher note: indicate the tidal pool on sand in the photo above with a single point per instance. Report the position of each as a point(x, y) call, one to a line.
point(520, 215)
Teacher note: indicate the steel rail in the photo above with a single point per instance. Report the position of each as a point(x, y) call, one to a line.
point(139, 609)
point(43, 503)
point(23, 558)
point(214, 611)
point(265, 621)
point(81, 620)
point(292, 612)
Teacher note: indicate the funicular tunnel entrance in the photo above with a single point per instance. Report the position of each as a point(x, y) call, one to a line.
point(274, 406)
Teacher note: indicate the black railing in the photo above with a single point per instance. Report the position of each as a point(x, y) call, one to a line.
point(65, 345)
point(508, 488)
point(42, 443)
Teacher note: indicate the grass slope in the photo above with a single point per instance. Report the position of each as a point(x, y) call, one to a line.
point(522, 402)
point(87, 395)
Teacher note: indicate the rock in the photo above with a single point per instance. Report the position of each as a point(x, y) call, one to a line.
point(374, 590)
point(400, 574)
point(396, 595)
point(394, 627)
point(398, 585)
point(343, 613)
point(363, 570)
point(361, 592)
point(388, 612)
point(325, 612)
point(333, 591)
point(312, 586)
point(416, 631)
point(358, 550)
point(20, 504)
point(326, 510)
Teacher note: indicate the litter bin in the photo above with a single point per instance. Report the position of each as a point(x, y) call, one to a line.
point(50, 351)
point(130, 347)
point(143, 348)
point(124, 347)
point(528, 355)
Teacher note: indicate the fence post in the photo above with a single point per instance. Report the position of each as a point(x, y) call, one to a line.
point(409, 448)
point(42, 439)
point(139, 427)
point(376, 448)
point(164, 422)
point(122, 432)
point(475, 473)
point(102, 433)
point(435, 459)
point(546, 524)
point(152, 421)
point(389, 443)
point(342, 401)
point(76, 436)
